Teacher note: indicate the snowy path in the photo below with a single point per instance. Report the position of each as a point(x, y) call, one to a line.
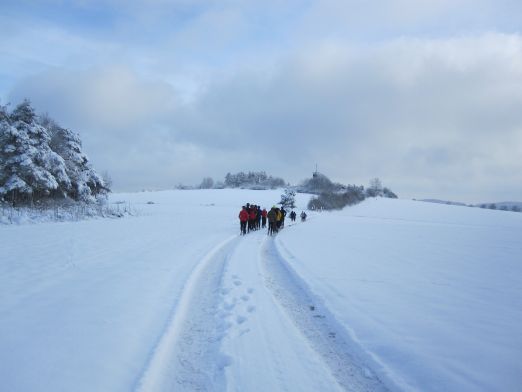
point(245, 317)
point(262, 341)
point(187, 356)
point(317, 324)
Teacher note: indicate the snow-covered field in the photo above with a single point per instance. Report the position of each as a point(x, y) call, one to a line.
point(387, 295)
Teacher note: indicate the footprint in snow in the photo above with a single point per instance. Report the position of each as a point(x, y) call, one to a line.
point(238, 282)
point(241, 319)
point(251, 309)
point(250, 290)
point(245, 297)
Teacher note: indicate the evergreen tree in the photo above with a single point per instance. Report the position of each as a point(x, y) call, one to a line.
point(86, 183)
point(288, 199)
point(29, 169)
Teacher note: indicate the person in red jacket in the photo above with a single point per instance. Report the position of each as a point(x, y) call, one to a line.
point(243, 220)
point(263, 217)
point(252, 218)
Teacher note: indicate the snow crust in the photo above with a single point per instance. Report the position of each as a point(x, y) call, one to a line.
point(414, 296)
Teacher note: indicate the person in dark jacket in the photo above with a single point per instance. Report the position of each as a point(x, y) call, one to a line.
point(258, 222)
point(272, 219)
point(303, 216)
point(283, 215)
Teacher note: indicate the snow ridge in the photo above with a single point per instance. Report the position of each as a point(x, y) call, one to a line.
point(325, 335)
point(188, 357)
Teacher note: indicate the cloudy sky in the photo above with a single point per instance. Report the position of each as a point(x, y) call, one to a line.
point(424, 94)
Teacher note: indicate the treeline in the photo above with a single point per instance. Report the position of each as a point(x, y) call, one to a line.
point(251, 180)
point(335, 196)
point(40, 160)
point(493, 206)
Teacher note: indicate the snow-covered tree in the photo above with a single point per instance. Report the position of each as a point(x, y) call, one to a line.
point(376, 189)
point(29, 169)
point(39, 159)
point(86, 183)
point(288, 199)
point(4, 115)
point(107, 179)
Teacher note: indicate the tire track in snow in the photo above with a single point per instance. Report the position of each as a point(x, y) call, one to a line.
point(188, 357)
point(268, 352)
point(326, 336)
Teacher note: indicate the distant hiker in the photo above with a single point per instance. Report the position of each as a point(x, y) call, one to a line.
point(283, 215)
point(272, 218)
point(279, 217)
point(263, 218)
point(243, 219)
point(259, 216)
point(293, 215)
point(303, 216)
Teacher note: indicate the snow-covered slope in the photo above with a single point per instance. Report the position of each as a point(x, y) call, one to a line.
point(386, 295)
point(432, 292)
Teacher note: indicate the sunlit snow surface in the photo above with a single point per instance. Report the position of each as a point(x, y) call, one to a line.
point(386, 295)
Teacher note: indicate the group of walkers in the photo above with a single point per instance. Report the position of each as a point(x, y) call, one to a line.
point(252, 217)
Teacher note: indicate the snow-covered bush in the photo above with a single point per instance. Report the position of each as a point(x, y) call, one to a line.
point(333, 196)
point(337, 200)
point(377, 190)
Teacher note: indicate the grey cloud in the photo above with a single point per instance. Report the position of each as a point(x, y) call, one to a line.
point(430, 117)
point(438, 112)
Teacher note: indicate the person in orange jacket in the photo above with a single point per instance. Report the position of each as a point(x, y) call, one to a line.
point(243, 220)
